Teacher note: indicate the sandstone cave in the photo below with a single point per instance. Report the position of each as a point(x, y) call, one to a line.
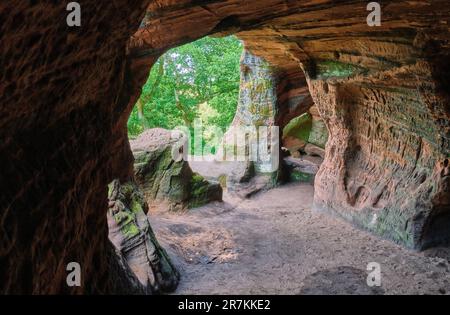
point(362, 175)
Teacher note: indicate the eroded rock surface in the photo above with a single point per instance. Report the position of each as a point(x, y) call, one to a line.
point(133, 237)
point(253, 135)
point(62, 115)
point(256, 109)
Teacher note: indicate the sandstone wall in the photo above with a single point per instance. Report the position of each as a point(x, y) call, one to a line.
point(60, 139)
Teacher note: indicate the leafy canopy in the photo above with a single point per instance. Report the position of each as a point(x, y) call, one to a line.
point(199, 80)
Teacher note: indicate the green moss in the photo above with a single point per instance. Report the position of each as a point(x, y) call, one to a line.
point(319, 134)
point(130, 230)
point(394, 226)
point(200, 191)
point(136, 206)
point(127, 189)
point(197, 178)
point(142, 157)
point(299, 127)
point(127, 224)
point(253, 108)
point(330, 68)
point(266, 112)
point(110, 188)
point(223, 181)
point(199, 185)
point(296, 176)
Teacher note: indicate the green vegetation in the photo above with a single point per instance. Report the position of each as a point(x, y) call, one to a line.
point(297, 176)
point(195, 81)
point(127, 224)
point(330, 68)
point(299, 127)
point(307, 129)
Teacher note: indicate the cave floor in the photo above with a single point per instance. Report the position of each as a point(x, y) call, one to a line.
point(274, 243)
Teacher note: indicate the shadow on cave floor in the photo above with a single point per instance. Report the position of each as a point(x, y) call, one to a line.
point(273, 243)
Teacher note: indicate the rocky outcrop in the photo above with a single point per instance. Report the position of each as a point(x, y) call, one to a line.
point(66, 94)
point(381, 91)
point(257, 107)
point(167, 183)
point(134, 240)
point(385, 104)
point(246, 141)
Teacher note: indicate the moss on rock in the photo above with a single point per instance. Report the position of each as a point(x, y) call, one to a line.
point(299, 127)
point(203, 191)
point(297, 176)
point(165, 181)
point(331, 68)
point(132, 235)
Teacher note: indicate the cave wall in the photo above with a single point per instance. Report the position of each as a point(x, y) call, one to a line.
point(383, 98)
point(381, 91)
point(385, 103)
point(66, 95)
point(60, 104)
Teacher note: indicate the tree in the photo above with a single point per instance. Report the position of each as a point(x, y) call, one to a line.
point(147, 97)
point(205, 71)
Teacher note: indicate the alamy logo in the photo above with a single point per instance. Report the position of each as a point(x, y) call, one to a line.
point(73, 279)
point(374, 277)
point(74, 17)
point(374, 18)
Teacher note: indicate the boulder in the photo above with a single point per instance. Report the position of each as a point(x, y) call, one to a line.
point(167, 182)
point(293, 144)
point(242, 172)
point(244, 182)
point(313, 150)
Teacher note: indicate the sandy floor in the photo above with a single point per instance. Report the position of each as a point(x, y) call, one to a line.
point(274, 243)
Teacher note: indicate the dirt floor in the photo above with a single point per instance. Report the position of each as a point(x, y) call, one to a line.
point(274, 243)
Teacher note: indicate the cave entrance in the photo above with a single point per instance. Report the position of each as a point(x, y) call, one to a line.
point(383, 92)
point(191, 86)
point(225, 102)
point(203, 103)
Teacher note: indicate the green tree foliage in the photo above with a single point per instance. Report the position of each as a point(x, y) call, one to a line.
point(195, 81)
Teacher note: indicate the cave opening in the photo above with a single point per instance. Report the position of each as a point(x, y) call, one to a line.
point(207, 214)
point(193, 86)
point(248, 113)
point(381, 92)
